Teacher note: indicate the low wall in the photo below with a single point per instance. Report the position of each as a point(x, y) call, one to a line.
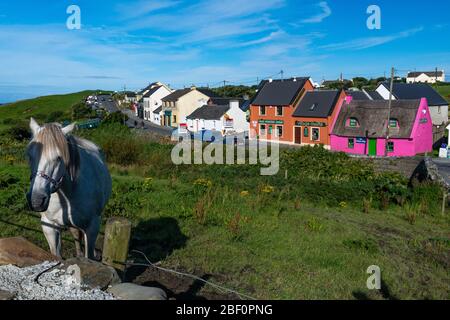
point(410, 167)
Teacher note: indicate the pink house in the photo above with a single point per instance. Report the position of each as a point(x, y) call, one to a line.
point(361, 126)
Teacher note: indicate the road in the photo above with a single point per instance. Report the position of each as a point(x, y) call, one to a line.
point(106, 102)
point(148, 126)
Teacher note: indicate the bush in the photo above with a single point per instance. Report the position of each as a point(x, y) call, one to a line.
point(55, 116)
point(82, 111)
point(19, 133)
point(115, 117)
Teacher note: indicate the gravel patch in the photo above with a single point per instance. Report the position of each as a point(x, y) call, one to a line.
point(53, 285)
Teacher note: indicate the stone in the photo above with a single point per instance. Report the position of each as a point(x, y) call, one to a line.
point(6, 295)
point(20, 252)
point(90, 274)
point(116, 242)
point(131, 291)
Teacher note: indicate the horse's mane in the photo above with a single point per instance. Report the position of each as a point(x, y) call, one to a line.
point(55, 144)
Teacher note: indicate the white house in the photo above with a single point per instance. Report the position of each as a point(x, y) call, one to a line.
point(228, 119)
point(152, 100)
point(411, 91)
point(426, 76)
point(157, 115)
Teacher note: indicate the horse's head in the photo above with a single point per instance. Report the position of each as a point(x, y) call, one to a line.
point(49, 156)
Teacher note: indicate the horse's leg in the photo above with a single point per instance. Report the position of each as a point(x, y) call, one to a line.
point(53, 235)
point(77, 234)
point(91, 234)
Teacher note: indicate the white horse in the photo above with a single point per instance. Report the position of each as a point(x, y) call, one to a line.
point(70, 185)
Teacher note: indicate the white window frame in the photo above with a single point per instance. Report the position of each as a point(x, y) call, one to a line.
point(311, 133)
point(261, 132)
point(265, 110)
point(282, 111)
point(276, 131)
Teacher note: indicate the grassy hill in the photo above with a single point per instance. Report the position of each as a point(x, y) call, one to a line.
point(444, 90)
point(40, 108)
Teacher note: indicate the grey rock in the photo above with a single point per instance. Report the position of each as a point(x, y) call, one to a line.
point(6, 295)
point(91, 274)
point(131, 291)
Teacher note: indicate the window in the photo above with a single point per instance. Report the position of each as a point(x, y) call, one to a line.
point(262, 130)
point(315, 134)
point(313, 107)
point(270, 129)
point(393, 123)
point(279, 131)
point(174, 119)
point(262, 110)
point(279, 111)
point(390, 146)
point(353, 122)
point(351, 143)
point(306, 132)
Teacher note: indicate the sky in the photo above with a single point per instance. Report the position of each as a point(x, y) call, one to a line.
point(204, 42)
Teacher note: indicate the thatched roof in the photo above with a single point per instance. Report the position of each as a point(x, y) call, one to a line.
point(372, 117)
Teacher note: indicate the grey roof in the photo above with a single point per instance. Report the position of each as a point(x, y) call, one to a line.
point(223, 101)
point(208, 112)
point(158, 110)
point(245, 105)
point(150, 86)
point(415, 74)
point(278, 92)
point(130, 94)
point(417, 91)
point(374, 95)
point(174, 96)
point(207, 92)
point(357, 95)
point(152, 91)
point(372, 116)
point(317, 104)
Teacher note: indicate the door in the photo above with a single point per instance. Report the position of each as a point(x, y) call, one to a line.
point(298, 135)
point(372, 147)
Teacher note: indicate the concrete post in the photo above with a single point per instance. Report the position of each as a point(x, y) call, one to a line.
point(116, 242)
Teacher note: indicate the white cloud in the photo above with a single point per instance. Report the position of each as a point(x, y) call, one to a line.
point(326, 12)
point(143, 7)
point(364, 43)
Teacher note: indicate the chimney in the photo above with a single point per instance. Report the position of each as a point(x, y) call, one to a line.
point(348, 99)
point(295, 79)
point(270, 80)
point(193, 87)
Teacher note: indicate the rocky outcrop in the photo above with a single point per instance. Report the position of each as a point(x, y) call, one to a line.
point(22, 253)
point(90, 274)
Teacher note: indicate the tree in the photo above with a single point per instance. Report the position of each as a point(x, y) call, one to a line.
point(115, 117)
point(360, 82)
point(82, 111)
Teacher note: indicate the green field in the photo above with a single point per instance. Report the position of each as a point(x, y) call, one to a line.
point(444, 90)
point(39, 108)
point(311, 235)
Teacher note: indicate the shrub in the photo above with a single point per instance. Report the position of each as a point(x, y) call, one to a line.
point(314, 225)
point(19, 133)
point(115, 118)
point(368, 244)
point(55, 116)
point(82, 111)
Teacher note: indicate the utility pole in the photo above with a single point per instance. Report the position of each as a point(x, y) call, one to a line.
point(282, 74)
point(389, 111)
point(436, 74)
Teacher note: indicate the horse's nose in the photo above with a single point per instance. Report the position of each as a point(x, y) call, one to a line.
point(39, 202)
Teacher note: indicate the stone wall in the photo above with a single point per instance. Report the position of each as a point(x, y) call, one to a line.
point(409, 166)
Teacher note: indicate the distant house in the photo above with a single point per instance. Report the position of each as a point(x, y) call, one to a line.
point(131, 96)
point(152, 100)
point(272, 108)
point(361, 128)
point(157, 113)
point(438, 105)
point(426, 76)
point(315, 115)
point(181, 103)
point(227, 119)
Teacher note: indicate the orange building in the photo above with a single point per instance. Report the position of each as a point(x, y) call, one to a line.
point(272, 108)
point(314, 117)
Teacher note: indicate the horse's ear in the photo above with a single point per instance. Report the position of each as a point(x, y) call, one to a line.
point(68, 129)
point(34, 126)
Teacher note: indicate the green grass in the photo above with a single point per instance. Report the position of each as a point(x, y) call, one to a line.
point(444, 90)
point(39, 108)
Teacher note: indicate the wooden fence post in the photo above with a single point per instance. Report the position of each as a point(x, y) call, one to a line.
point(444, 199)
point(116, 242)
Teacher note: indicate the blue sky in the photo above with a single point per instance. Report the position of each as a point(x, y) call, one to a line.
point(184, 42)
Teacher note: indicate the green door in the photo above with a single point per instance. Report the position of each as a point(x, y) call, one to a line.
point(372, 147)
